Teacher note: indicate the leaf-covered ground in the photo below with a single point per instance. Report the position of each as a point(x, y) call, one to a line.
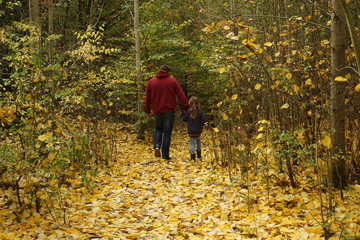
point(142, 197)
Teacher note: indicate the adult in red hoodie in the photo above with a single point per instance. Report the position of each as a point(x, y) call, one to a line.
point(161, 93)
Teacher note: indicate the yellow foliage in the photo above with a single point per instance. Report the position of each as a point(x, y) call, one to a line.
point(288, 76)
point(285, 106)
point(340, 79)
point(357, 88)
point(45, 136)
point(258, 86)
point(7, 115)
point(296, 88)
point(143, 197)
point(308, 82)
point(224, 116)
point(326, 141)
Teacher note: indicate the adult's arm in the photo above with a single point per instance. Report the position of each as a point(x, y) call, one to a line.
point(148, 99)
point(181, 96)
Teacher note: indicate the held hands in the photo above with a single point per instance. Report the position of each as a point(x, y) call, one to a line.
point(149, 115)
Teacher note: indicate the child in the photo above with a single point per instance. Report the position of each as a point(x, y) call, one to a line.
point(195, 121)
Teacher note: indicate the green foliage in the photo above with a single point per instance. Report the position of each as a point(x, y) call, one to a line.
point(47, 139)
point(291, 146)
point(143, 125)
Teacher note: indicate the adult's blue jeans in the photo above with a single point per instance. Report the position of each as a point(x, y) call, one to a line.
point(164, 123)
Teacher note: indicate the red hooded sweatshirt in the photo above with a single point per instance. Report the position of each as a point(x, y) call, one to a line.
point(161, 93)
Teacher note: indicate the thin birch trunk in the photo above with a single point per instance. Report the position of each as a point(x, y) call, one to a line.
point(138, 52)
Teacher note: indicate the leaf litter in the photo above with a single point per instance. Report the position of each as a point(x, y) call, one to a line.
point(143, 197)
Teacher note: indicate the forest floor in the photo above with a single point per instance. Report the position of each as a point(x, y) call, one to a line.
point(143, 197)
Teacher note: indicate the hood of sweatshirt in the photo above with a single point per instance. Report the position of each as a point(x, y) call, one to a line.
point(162, 74)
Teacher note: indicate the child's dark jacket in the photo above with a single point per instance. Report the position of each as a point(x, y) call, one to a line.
point(195, 126)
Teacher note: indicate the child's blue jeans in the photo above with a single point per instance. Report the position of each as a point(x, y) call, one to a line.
point(195, 141)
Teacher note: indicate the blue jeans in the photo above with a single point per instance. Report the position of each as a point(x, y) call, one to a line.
point(164, 123)
point(195, 141)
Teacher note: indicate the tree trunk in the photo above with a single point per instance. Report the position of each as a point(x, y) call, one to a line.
point(34, 12)
point(51, 29)
point(35, 19)
point(338, 44)
point(138, 53)
point(79, 12)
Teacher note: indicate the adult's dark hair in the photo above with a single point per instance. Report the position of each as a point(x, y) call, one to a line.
point(165, 68)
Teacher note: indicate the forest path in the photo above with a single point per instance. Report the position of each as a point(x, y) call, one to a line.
point(152, 198)
point(144, 197)
point(147, 198)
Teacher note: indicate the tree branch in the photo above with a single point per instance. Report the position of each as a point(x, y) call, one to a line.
point(352, 31)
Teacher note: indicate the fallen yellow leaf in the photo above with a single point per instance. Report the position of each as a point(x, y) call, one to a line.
point(258, 86)
point(340, 79)
point(288, 76)
point(308, 82)
point(224, 116)
point(45, 136)
point(285, 106)
point(357, 88)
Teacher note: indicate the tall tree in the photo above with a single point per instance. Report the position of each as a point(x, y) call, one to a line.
point(35, 17)
point(34, 10)
point(51, 28)
point(138, 52)
point(338, 45)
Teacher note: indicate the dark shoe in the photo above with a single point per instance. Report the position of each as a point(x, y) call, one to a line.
point(192, 157)
point(157, 152)
point(198, 154)
point(167, 158)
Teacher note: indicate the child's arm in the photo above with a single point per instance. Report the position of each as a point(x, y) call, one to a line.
point(203, 118)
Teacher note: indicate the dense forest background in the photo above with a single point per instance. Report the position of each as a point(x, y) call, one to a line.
point(263, 71)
